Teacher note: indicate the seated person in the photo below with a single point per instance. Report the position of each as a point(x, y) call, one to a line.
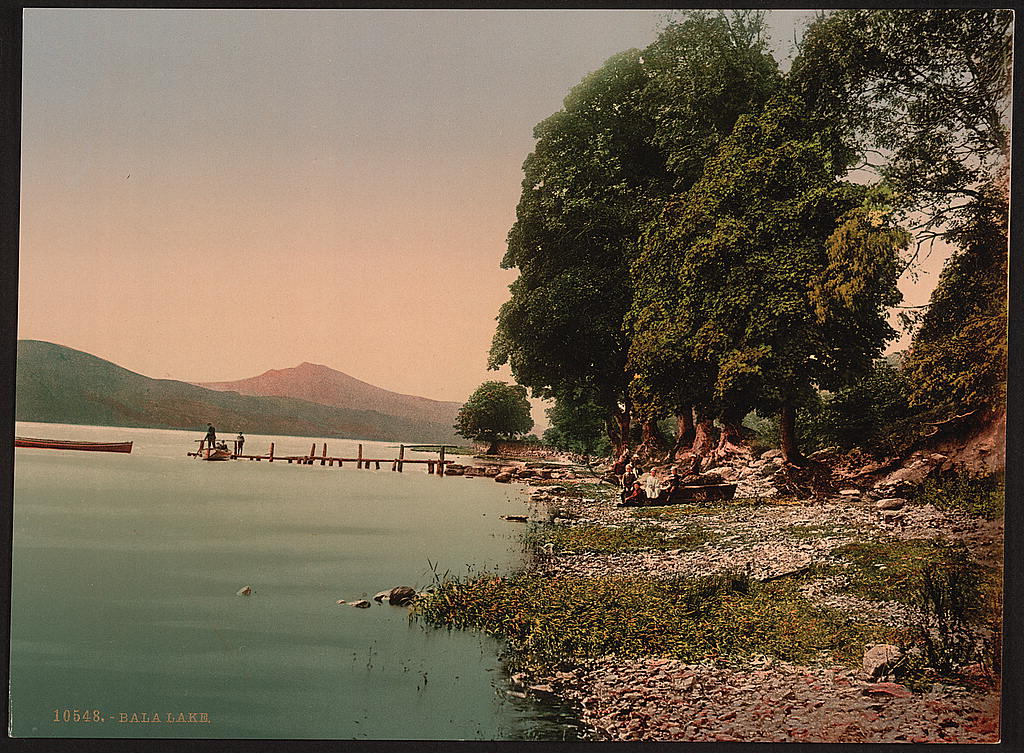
point(627, 480)
point(635, 498)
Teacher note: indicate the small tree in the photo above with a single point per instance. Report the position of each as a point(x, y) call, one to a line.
point(496, 410)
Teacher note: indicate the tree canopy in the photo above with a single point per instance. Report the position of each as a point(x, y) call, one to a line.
point(495, 410)
point(768, 277)
point(629, 135)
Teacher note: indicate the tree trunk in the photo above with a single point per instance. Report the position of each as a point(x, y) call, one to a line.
point(686, 432)
point(704, 436)
point(618, 430)
point(731, 440)
point(787, 435)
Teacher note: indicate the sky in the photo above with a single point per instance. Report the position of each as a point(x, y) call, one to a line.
point(208, 194)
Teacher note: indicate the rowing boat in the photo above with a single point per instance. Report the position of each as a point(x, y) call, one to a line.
point(66, 444)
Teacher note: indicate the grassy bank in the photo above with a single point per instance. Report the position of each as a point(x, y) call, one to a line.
point(549, 621)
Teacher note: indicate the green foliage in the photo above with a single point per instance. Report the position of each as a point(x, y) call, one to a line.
point(893, 569)
point(873, 414)
point(767, 277)
point(961, 492)
point(494, 410)
point(927, 90)
point(577, 426)
point(550, 621)
point(629, 135)
point(958, 357)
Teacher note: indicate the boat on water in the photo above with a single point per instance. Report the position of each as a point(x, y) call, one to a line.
point(66, 444)
point(215, 454)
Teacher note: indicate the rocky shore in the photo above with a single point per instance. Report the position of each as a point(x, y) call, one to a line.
point(767, 537)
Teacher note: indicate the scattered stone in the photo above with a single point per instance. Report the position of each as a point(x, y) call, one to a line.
point(888, 689)
point(380, 596)
point(245, 591)
point(361, 604)
point(342, 601)
point(890, 503)
point(401, 596)
point(503, 478)
point(849, 492)
point(880, 659)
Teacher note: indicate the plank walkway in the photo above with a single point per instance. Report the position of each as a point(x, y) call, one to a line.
point(433, 466)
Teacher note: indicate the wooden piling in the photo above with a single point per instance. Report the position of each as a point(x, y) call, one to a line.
point(394, 465)
point(430, 466)
point(440, 462)
point(377, 464)
point(323, 457)
point(271, 452)
point(359, 458)
point(401, 456)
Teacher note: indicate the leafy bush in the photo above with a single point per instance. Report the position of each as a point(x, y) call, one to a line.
point(958, 490)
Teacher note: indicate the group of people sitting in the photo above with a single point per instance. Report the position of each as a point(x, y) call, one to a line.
point(641, 487)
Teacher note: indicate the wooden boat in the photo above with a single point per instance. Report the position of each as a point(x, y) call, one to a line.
point(216, 454)
point(65, 444)
point(704, 493)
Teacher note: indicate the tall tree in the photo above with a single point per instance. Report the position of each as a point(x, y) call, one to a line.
point(495, 410)
point(923, 94)
point(767, 278)
point(958, 357)
point(628, 136)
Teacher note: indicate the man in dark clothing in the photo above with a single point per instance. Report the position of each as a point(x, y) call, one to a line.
point(635, 498)
point(241, 443)
point(627, 480)
point(211, 436)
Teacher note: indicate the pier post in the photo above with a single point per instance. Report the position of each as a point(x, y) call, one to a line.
point(312, 454)
point(430, 466)
point(323, 457)
point(271, 452)
point(401, 456)
point(440, 464)
point(359, 457)
point(394, 465)
point(376, 464)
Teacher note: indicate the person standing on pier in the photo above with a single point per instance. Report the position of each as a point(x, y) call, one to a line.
point(211, 437)
point(241, 443)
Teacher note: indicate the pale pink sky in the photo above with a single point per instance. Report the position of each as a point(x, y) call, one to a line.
point(208, 194)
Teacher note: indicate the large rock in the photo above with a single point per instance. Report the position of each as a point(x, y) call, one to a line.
point(771, 454)
point(361, 604)
point(401, 595)
point(880, 659)
point(890, 503)
point(503, 478)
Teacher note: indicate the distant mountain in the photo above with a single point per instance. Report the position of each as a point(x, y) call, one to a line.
point(60, 385)
point(321, 384)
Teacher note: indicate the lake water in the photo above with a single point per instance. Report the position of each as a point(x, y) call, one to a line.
point(126, 568)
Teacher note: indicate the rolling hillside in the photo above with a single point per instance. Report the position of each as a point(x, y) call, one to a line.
point(321, 384)
point(61, 385)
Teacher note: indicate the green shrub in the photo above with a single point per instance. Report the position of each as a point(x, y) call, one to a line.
point(958, 490)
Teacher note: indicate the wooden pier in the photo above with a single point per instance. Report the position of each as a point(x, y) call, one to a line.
point(397, 464)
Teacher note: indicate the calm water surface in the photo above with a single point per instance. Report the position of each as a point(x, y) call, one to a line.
point(126, 568)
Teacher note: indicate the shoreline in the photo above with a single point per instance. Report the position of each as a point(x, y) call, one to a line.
point(817, 557)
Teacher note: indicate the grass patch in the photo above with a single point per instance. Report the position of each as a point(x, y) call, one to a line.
point(963, 493)
point(607, 540)
point(547, 621)
point(895, 570)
